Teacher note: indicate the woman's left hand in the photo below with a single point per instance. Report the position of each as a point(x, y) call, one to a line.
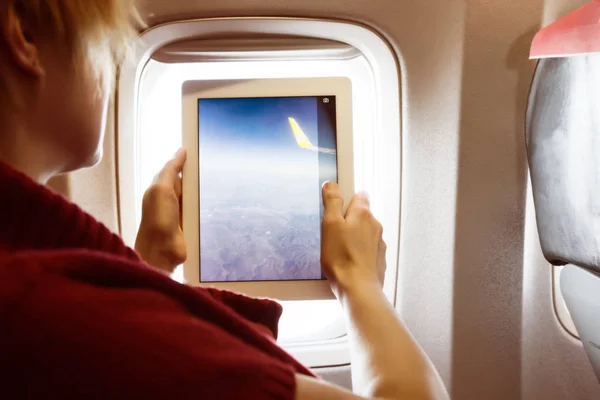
point(160, 239)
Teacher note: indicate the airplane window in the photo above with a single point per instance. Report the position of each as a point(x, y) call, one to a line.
point(160, 127)
point(149, 131)
point(560, 307)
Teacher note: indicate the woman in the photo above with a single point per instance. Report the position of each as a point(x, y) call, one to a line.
point(83, 316)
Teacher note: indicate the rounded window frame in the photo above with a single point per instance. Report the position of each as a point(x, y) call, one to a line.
point(386, 71)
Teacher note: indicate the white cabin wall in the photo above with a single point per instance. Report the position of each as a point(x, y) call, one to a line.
point(488, 233)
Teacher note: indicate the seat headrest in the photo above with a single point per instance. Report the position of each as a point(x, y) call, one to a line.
point(563, 146)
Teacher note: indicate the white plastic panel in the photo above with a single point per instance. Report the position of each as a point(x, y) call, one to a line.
point(560, 307)
point(149, 106)
point(255, 48)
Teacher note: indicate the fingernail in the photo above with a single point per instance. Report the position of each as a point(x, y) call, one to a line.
point(325, 185)
point(178, 152)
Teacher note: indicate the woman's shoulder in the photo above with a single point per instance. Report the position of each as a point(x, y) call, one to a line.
point(103, 270)
point(75, 268)
point(93, 324)
point(115, 297)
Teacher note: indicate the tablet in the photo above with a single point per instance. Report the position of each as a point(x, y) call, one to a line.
point(259, 152)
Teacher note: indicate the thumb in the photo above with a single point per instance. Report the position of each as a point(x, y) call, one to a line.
point(169, 173)
point(333, 201)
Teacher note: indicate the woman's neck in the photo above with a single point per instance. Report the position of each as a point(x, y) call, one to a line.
point(23, 150)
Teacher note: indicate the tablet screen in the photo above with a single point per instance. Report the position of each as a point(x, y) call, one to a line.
point(262, 164)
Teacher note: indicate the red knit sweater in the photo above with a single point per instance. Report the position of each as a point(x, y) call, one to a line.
point(81, 316)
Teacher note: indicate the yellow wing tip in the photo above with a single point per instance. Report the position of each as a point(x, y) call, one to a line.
point(301, 138)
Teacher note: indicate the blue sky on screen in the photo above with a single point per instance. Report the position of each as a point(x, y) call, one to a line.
point(259, 122)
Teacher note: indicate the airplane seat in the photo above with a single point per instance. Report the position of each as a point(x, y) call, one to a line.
point(563, 149)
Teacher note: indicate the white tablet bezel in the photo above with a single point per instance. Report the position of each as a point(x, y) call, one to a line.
point(192, 91)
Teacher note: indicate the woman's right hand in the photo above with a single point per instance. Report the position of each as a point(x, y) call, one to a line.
point(352, 248)
point(389, 363)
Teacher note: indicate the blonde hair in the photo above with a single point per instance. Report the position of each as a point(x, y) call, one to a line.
point(92, 29)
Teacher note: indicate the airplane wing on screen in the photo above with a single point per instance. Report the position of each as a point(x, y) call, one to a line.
point(303, 141)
